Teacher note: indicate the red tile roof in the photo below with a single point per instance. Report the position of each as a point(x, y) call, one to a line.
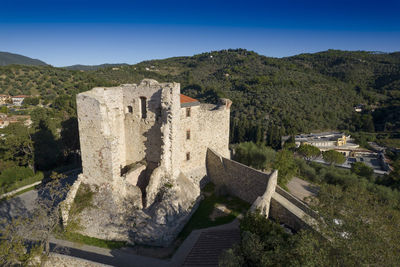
point(21, 96)
point(187, 99)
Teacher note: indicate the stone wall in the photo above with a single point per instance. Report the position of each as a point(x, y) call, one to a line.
point(263, 203)
point(134, 156)
point(209, 128)
point(69, 200)
point(261, 190)
point(60, 260)
point(296, 202)
point(240, 180)
point(283, 211)
point(120, 126)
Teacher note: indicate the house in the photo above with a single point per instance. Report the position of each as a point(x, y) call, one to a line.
point(18, 99)
point(4, 99)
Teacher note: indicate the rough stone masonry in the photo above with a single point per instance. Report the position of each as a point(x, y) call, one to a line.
point(143, 153)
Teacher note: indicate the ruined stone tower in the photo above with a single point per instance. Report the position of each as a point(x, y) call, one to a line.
point(143, 152)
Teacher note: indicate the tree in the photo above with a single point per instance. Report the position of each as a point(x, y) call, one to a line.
point(265, 243)
point(256, 156)
point(70, 138)
point(18, 145)
point(4, 109)
point(33, 101)
point(361, 169)
point(24, 239)
point(274, 137)
point(333, 157)
point(393, 178)
point(355, 228)
point(368, 123)
point(290, 144)
point(362, 229)
point(13, 245)
point(309, 152)
point(286, 166)
point(47, 148)
point(47, 215)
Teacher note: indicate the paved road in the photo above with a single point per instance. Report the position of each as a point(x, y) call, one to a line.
point(20, 205)
point(24, 204)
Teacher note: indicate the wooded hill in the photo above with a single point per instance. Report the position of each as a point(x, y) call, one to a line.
point(276, 96)
point(10, 58)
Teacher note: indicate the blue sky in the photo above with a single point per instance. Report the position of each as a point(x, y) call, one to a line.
point(62, 32)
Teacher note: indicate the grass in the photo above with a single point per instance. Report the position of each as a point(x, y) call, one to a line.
point(201, 218)
point(20, 183)
point(87, 240)
point(83, 200)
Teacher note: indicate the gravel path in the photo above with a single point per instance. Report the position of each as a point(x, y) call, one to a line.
point(302, 189)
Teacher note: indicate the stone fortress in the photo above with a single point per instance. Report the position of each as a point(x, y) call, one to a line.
point(146, 152)
point(143, 151)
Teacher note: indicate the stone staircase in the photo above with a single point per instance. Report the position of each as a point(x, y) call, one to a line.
point(209, 247)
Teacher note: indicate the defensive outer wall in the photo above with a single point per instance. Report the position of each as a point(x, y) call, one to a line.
point(260, 189)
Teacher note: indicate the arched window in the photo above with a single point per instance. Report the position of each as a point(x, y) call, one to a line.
point(143, 107)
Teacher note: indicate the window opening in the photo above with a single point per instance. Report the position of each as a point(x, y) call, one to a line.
point(130, 109)
point(143, 107)
point(188, 135)
point(188, 156)
point(188, 112)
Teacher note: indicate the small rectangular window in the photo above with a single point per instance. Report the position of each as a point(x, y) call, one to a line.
point(188, 135)
point(188, 156)
point(143, 107)
point(188, 112)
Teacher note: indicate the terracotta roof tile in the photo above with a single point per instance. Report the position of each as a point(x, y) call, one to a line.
point(187, 99)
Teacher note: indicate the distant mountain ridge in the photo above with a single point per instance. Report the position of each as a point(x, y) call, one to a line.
point(281, 96)
point(93, 67)
point(7, 58)
point(10, 59)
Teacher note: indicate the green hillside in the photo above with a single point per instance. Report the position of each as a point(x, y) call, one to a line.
point(9, 59)
point(274, 96)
